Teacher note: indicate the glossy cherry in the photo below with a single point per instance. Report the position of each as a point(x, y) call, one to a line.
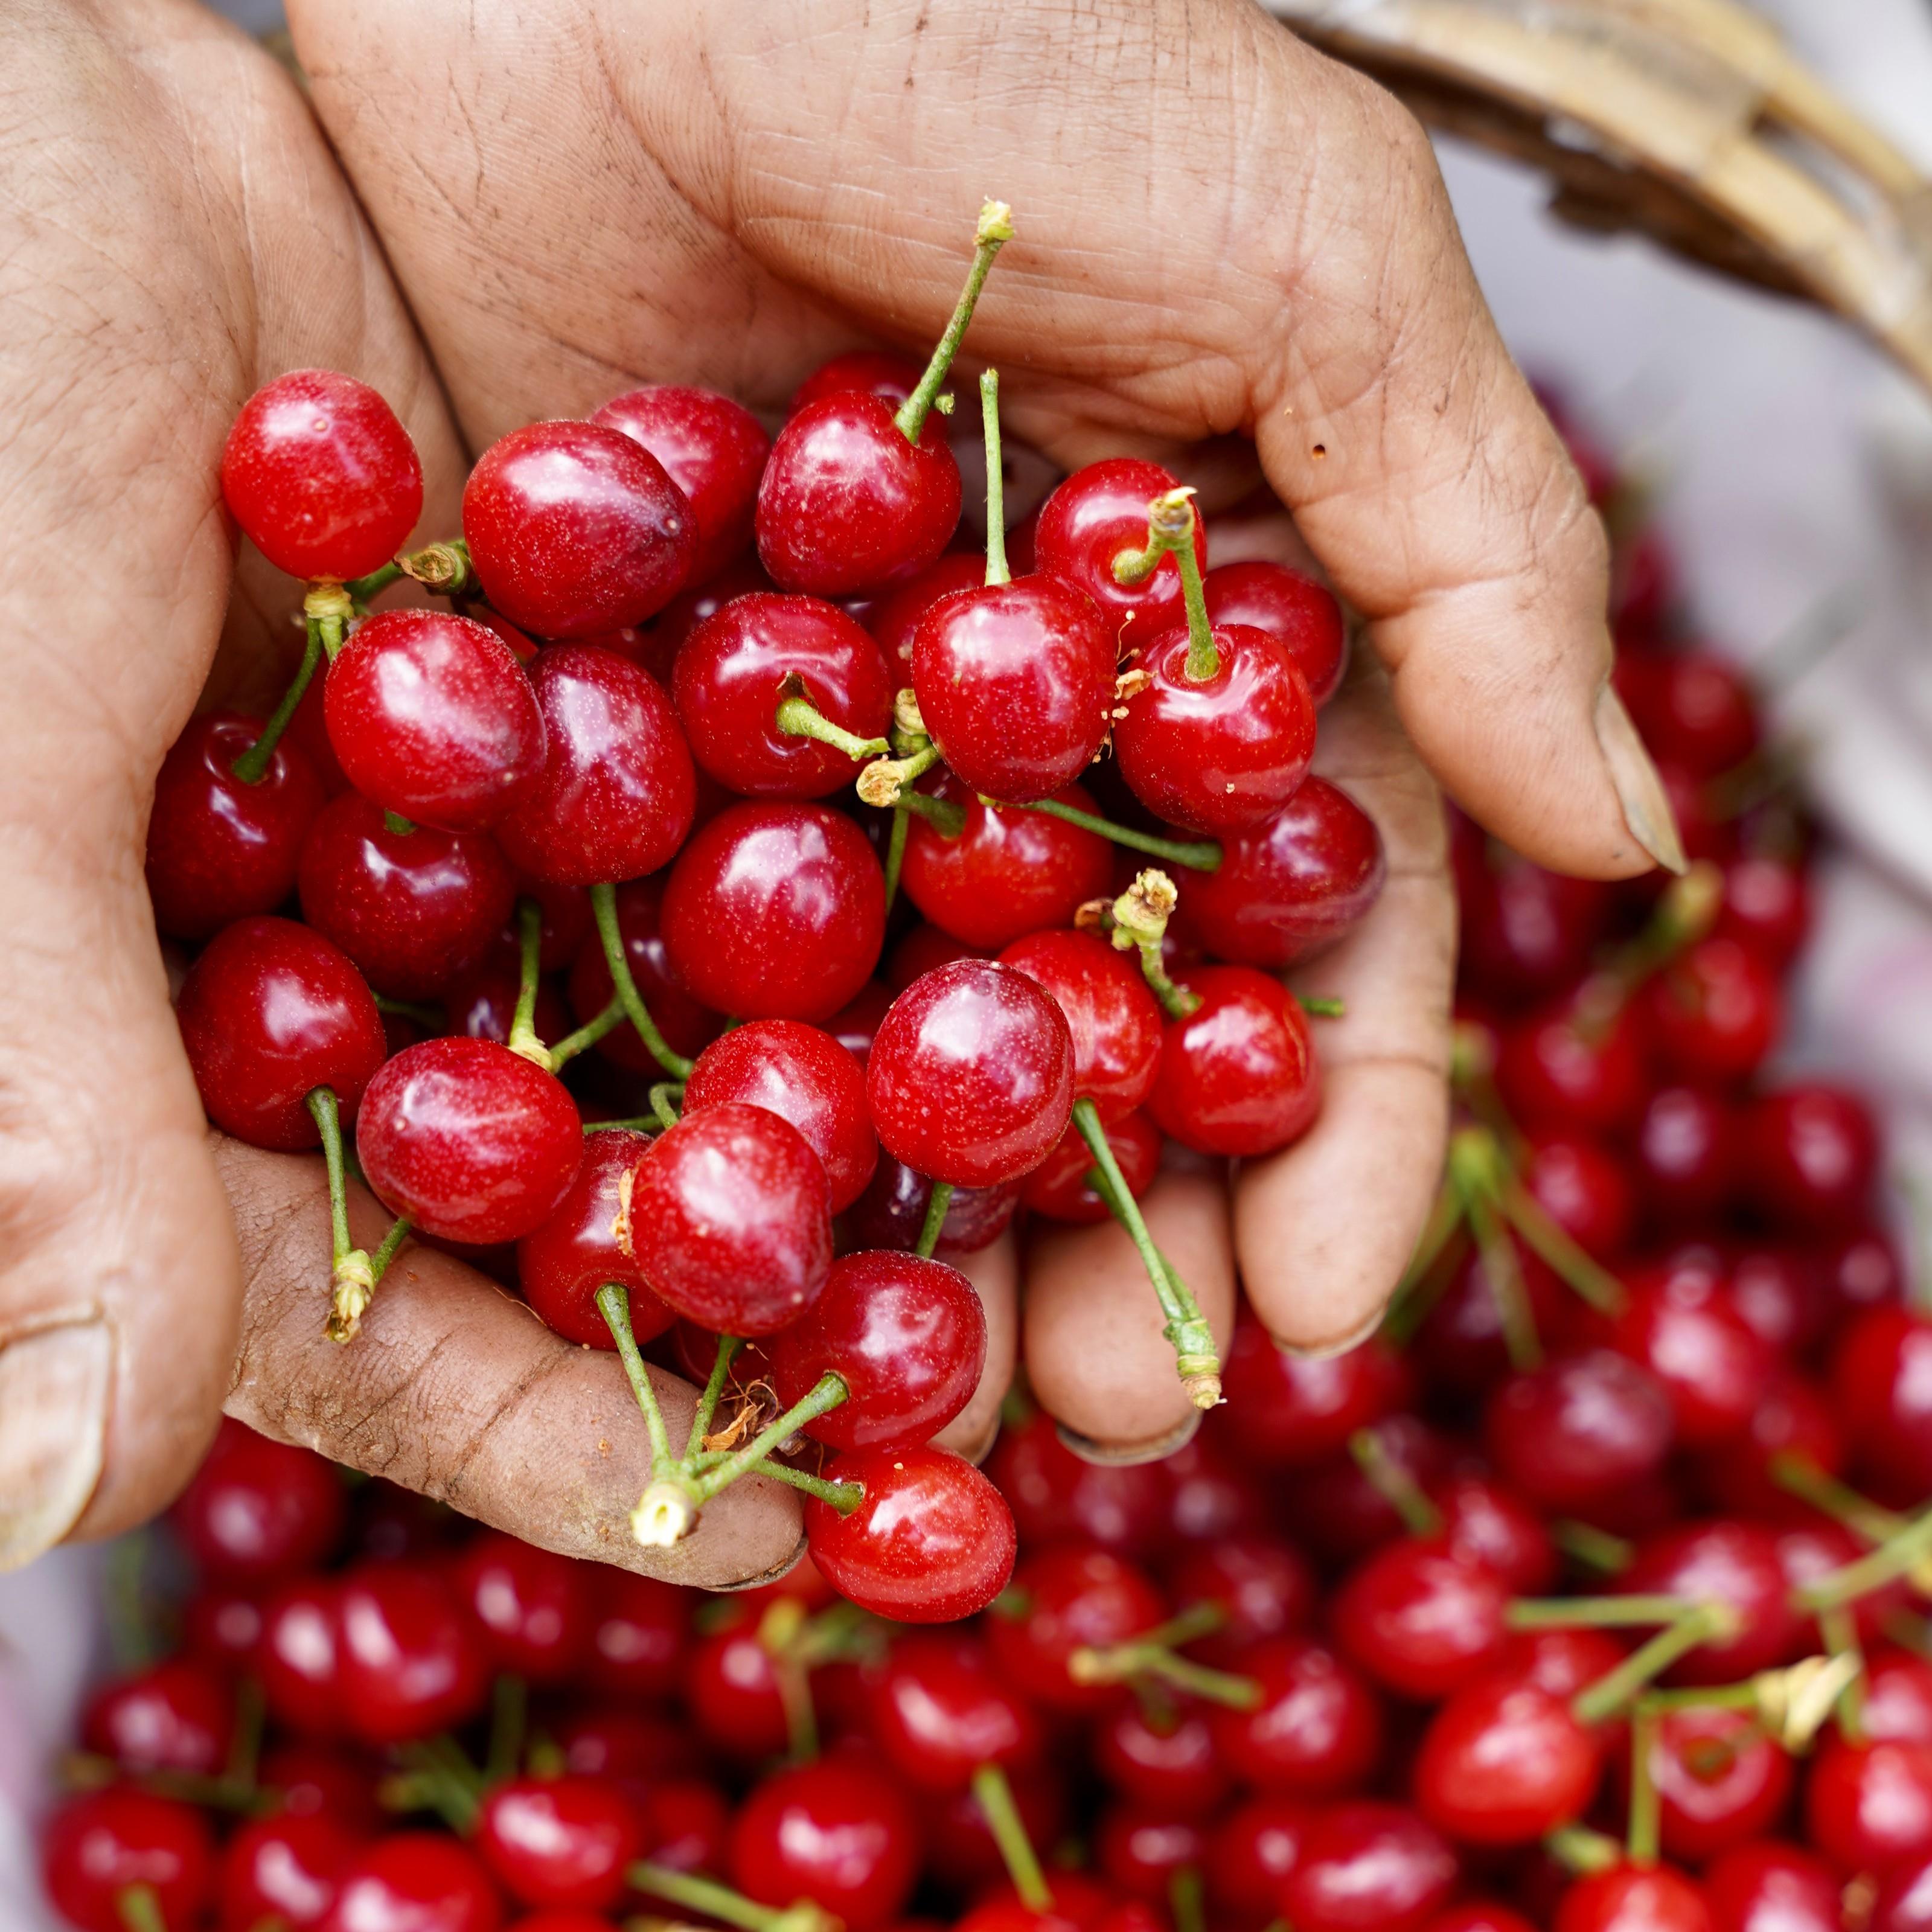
point(1725, 1561)
point(1808, 1157)
point(468, 1139)
point(300, 1656)
point(1775, 1887)
point(1262, 1583)
point(1317, 1730)
point(286, 1869)
point(533, 1607)
point(1579, 1429)
point(640, 1635)
point(1882, 1398)
point(1683, 1149)
point(1298, 612)
point(894, 618)
point(1505, 1762)
point(734, 1693)
point(1903, 1903)
point(1713, 1013)
point(1573, 1067)
point(1766, 905)
point(1066, 1599)
point(177, 1715)
point(1143, 1849)
point(1099, 514)
point(776, 911)
point(574, 528)
point(1681, 1324)
point(1419, 1618)
point(1377, 1868)
point(1238, 1076)
point(1692, 708)
point(1059, 1187)
point(891, 1212)
point(1164, 1759)
point(839, 1832)
point(870, 372)
point(562, 1842)
point(411, 1663)
point(939, 1711)
point(1634, 1898)
point(415, 1882)
point(321, 476)
point(1868, 1806)
point(269, 1013)
point(1289, 1410)
point(1058, 1497)
point(1251, 1850)
point(1719, 1779)
point(98, 1847)
point(1112, 1017)
point(1526, 932)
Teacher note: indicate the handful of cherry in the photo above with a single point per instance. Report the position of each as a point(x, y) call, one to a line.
point(597, 866)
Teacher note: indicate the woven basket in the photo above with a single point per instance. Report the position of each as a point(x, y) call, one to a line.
point(1687, 119)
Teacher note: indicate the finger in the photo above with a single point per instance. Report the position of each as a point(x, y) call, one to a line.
point(456, 1389)
point(1324, 1229)
point(995, 1272)
point(1096, 1358)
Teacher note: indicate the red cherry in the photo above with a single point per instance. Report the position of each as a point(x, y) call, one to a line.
point(1263, 1585)
point(1462, 1342)
point(1895, 1700)
point(1791, 1419)
point(922, 950)
point(655, 647)
point(1369, 1866)
point(1164, 1760)
point(1683, 1144)
point(408, 908)
point(713, 448)
point(1766, 906)
point(411, 1663)
point(1340, 1513)
point(971, 1079)
point(1112, 1017)
point(839, 1832)
point(1058, 1497)
point(730, 682)
point(415, 1882)
point(1143, 1849)
point(939, 1712)
point(575, 528)
point(1808, 1155)
point(1504, 1763)
point(1067, 1599)
point(891, 1212)
point(870, 372)
point(1578, 1430)
point(848, 503)
point(1485, 1523)
point(270, 1012)
point(468, 1139)
point(1098, 514)
point(219, 848)
point(735, 1694)
point(300, 1655)
point(685, 1025)
point(1289, 1410)
point(321, 476)
point(1419, 1619)
point(533, 1608)
point(907, 1337)
point(1771, 1887)
point(1561, 1662)
point(1317, 1730)
point(619, 1742)
point(804, 1076)
point(776, 911)
point(730, 1220)
point(641, 1632)
point(174, 1716)
point(1903, 1903)
point(1059, 1188)
point(480, 1000)
point(931, 1540)
point(1691, 708)
point(854, 1024)
point(1868, 1806)
point(1253, 1848)
point(98, 1847)
point(560, 1841)
point(1297, 612)
point(1809, 1550)
point(1527, 932)
point(564, 1261)
point(1682, 1325)
point(894, 618)
point(1567, 1068)
point(1720, 1780)
point(1016, 683)
point(1478, 1915)
point(221, 1624)
point(1727, 1562)
point(286, 1869)
point(1008, 872)
point(1238, 1076)
point(1634, 1898)
point(1882, 1398)
point(690, 1824)
point(1713, 1012)
point(1584, 1188)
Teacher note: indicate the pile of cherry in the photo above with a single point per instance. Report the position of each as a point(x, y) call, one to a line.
point(711, 722)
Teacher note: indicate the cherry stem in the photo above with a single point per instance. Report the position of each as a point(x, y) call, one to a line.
point(633, 1123)
point(394, 821)
point(613, 1304)
point(995, 1797)
point(509, 1724)
point(587, 1036)
point(946, 816)
point(1171, 524)
point(252, 764)
point(895, 847)
point(827, 1392)
point(1557, 1249)
point(995, 228)
point(1595, 1549)
point(1838, 1630)
point(997, 571)
point(1578, 1849)
point(1196, 1360)
point(1615, 1688)
point(139, 1909)
point(329, 607)
point(361, 589)
point(1154, 1653)
point(1322, 1006)
point(798, 717)
point(1596, 1612)
point(603, 908)
point(728, 1346)
point(1445, 1218)
point(433, 1018)
point(524, 1040)
point(1197, 855)
point(1137, 921)
point(886, 781)
point(352, 1272)
point(444, 568)
point(1184, 1896)
point(1394, 1484)
point(937, 1203)
point(1898, 1555)
point(245, 1748)
point(1683, 916)
point(81, 1771)
point(843, 1497)
point(1839, 1501)
point(1644, 1837)
point(714, 1900)
point(663, 1107)
point(1503, 1272)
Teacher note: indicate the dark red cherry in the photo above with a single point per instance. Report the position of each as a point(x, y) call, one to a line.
point(1781, 1296)
point(971, 1079)
point(870, 372)
point(1505, 1762)
point(1681, 1324)
point(97, 1848)
point(1317, 1730)
point(1098, 514)
point(1163, 1758)
point(1059, 1188)
point(1294, 883)
point(412, 1662)
point(730, 1220)
point(322, 478)
point(1142, 1849)
point(922, 949)
point(562, 1842)
point(1578, 1430)
point(219, 849)
point(1713, 1013)
point(1882, 1398)
point(284, 1870)
point(1868, 1806)
point(1238, 1076)
point(854, 1024)
point(736, 1695)
point(1634, 1898)
point(1683, 1150)
point(177, 1715)
point(1485, 1523)
point(1008, 872)
point(1584, 1188)
point(618, 792)
point(1071, 1597)
point(432, 717)
point(533, 1607)
point(1341, 1514)
point(408, 908)
point(575, 529)
point(685, 1025)
point(653, 647)
point(1058, 1497)
point(1115, 1023)
point(907, 1337)
point(1298, 612)
point(1807, 1157)
point(728, 686)
point(1575, 1069)
point(848, 503)
point(1862, 1269)
point(1526, 932)
point(894, 618)
point(415, 1882)
point(1774, 1887)
point(891, 1212)
point(713, 448)
point(1791, 1418)
point(1377, 1868)
point(939, 1711)
point(1766, 906)
point(1420, 1619)
point(776, 911)
point(1263, 1585)
point(221, 1623)
point(803, 1076)
point(469, 1140)
point(1016, 683)
point(641, 1634)
point(1289, 1410)
point(270, 1012)
point(1720, 1780)
point(1223, 753)
point(1691, 707)
point(841, 1832)
point(1729, 1562)
point(1253, 1848)
point(301, 1656)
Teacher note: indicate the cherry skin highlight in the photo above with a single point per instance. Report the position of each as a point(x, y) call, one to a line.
point(729, 684)
point(533, 1608)
point(939, 1711)
point(416, 1880)
point(98, 1846)
point(1568, 1435)
point(411, 1661)
point(776, 911)
point(270, 1012)
point(730, 1220)
point(1297, 612)
point(285, 1870)
point(257, 1510)
point(1238, 1076)
point(469, 1140)
point(971, 1079)
point(713, 448)
point(1111, 1016)
point(1505, 1762)
point(931, 1540)
point(1377, 1868)
point(1634, 1898)
point(618, 792)
point(870, 372)
point(560, 1842)
point(177, 1715)
point(1098, 514)
point(321, 476)
point(432, 717)
point(907, 1337)
point(219, 849)
point(1069, 1598)
point(1419, 1618)
point(574, 528)
point(839, 1832)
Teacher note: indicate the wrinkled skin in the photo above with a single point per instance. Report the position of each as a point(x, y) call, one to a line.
point(1265, 253)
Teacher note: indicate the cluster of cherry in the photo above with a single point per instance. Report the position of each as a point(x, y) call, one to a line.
point(770, 707)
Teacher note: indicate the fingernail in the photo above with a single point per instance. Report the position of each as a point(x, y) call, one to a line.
point(1640, 789)
point(54, 1387)
point(1321, 1351)
point(1116, 1455)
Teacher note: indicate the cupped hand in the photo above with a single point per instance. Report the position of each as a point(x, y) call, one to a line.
point(509, 213)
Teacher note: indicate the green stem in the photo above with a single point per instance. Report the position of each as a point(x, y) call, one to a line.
point(1615, 1689)
point(509, 1722)
point(245, 1748)
point(139, 1909)
point(663, 1105)
point(1646, 1807)
point(1578, 1849)
point(1009, 1833)
point(613, 1303)
point(946, 816)
point(997, 571)
point(1185, 1897)
point(844, 1497)
point(728, 1346)
point(1171, 525)
point(713, 1900)
point(253, 765)
point(890, 781)
point(352, 1273)
point(1595, 1549)
point(995, 228)
point(1320, 1007)
point(1197, 855)
point(937, 1203)
point(1503, 1272)
point(631, 1123)
point(1554, 1245)
point(433, 1019)
point(798, 717)
point(1196, 1360)
point(1896, 1557)
point(361, 589)
point(587, 1036)
point(603, 908)
point(827, 1392)
point(1394, 1484)
point(1147, 1656)
point(1839, 1501)
point(895, 847)
point(1596, 1612)
point(395, 822)
point(524, 1040)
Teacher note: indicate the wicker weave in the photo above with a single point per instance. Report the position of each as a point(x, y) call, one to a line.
point(1689, 119)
